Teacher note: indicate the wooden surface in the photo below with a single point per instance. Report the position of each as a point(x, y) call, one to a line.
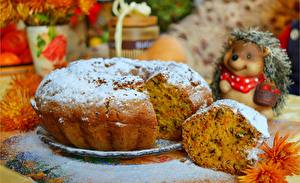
point(8, 176)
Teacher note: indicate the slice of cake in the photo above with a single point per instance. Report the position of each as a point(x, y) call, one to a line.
point(225, 136)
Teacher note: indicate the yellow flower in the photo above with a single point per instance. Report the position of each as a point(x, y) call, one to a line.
point(23, 11)
point(85, 5)
point(7, 12)
point(35, 6)
point(26, 81)
point(16, 112)
point(60, 3)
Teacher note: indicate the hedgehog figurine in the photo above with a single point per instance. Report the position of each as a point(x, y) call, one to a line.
point(253, 70)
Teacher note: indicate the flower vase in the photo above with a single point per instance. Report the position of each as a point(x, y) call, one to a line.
point(48, 45)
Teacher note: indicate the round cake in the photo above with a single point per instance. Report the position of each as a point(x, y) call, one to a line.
point(225, 136)
point(119, 104)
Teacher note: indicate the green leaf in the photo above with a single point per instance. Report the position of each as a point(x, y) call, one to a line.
point(38, 53)
point(105, 37)
point(51, 33)
point(42, 18)
point(41, 43)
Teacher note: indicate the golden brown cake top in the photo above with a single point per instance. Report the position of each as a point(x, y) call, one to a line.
point(96, 80)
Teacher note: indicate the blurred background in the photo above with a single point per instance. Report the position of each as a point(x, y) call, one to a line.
point(45, 35)
point(39, 36)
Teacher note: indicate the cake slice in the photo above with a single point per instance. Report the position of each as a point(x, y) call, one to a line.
point(225, 136)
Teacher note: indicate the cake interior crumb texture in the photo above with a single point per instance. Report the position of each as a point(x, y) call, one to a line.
point(170, 105)
point(221, 138)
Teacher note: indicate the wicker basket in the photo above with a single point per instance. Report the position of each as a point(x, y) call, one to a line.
point(265, 97)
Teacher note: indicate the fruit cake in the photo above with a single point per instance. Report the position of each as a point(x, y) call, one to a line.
point(225, 136)
point(118, 103)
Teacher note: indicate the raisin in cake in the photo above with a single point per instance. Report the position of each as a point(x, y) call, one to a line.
point(225, 136)
point(119, 104)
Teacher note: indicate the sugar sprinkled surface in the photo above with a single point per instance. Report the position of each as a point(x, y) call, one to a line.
point(118, 78)
point(252, 154)
point(79, 171)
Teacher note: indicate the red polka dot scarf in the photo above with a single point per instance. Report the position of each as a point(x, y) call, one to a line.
point(240, 83)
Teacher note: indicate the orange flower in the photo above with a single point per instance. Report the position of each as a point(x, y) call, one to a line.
point(285, 154)
point(60, 3)
point(7, 12)
point(16, 112)
point(262, 173)
point(41, 12)
point(23, 11)
point(26, 81)
point(35, 6)
point(85, 5)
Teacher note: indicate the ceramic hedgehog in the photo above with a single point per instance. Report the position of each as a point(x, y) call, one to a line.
point(253, 70)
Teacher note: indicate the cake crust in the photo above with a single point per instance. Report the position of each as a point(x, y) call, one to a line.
point(103, 103)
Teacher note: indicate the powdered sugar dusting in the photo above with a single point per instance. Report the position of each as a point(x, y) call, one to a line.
point(77, 171)
point(95, 80)
point(253, 153)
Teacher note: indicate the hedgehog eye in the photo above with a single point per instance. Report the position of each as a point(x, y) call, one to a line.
point(249, 56)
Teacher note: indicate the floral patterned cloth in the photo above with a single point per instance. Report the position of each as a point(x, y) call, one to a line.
point(204, 32)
